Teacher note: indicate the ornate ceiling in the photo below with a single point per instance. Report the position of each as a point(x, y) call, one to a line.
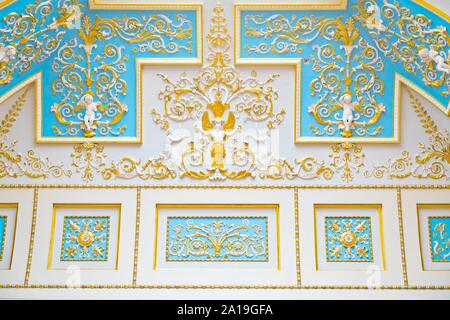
point(355, 64)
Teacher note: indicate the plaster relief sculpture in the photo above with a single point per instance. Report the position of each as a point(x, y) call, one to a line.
point(374, 20)
point(7, 54)
point(348, 106)
point(90, 116)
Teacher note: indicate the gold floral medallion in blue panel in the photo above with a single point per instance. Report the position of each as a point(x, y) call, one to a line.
point(226, 239)
point(348, 239)
point(439, 238)
point(85, 238)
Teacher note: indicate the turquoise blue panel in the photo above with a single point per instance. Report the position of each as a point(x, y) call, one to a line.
point(297, 34)
point(217, 239)
point(85, 239)
point(348, 239)
point(3, 220)
point(63, 59)
point(439, 238)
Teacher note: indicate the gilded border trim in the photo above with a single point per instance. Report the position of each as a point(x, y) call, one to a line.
point(433, 9)
point(200, 186)
point(297, 240)
point(136, 240)
point(5, 3)
point(33, 231)
point(402, 237)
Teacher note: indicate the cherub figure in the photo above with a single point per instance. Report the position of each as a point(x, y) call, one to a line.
point(348, 106)
point(439, 60)
point(374, 20)
point(91, 108)
point(424, 55)
point(430, 57)
point(7, 54)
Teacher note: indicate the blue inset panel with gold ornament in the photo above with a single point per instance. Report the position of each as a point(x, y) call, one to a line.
point(439, 232)
point(85, 239)
point(348, 239)
point(84, 59)
point(353, 60)
point(227, 239)
point(3, 221)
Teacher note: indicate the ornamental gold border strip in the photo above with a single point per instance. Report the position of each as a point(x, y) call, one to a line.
point(379, 208)
point(136, 240)
point(96, 5)
point(33, 231)
point(6, 3)
point(402, 237)
point(56, 206)
point(433, 9)
point(297, 239)
point(199, 186)
point(420, 206)
point(221, 206)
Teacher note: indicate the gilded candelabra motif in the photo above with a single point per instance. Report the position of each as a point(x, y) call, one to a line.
point(347, 158)
point(15, 165)
point(348, 84)
point(217, 239)
point(32, 36)
point(409, 39)
point(88, 158)
point(90, 85)
point(432, 162)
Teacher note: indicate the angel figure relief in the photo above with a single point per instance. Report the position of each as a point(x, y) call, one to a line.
point(217, 131)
